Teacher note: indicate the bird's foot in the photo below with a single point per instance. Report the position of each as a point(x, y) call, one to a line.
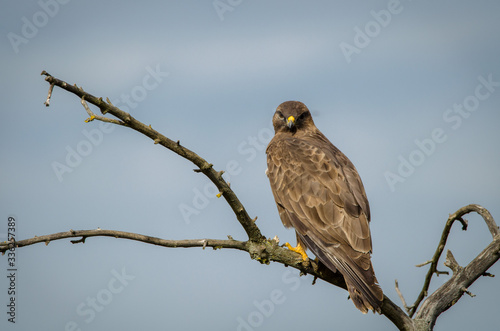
point(299, 250)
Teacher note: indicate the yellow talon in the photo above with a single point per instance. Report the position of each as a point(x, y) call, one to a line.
point(219, 194)
point(299, 250)
point(90, 119)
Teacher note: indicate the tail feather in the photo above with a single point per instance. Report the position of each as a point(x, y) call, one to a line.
point(362, 284)
point(369, 299)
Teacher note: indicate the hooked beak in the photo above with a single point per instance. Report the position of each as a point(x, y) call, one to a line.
point(290, 122)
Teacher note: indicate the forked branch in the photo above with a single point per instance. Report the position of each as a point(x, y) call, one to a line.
point(126, 119)
point(457, 216)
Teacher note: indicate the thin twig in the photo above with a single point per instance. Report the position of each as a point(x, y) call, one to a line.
point(423, 264)
point(47, 102)
point(403, 301)
point(466, 291)
point(98, 117)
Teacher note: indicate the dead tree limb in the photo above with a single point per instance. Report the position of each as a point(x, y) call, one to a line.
point(463, 277)
point(125, 119)
point(84, 234)
point(457, 216)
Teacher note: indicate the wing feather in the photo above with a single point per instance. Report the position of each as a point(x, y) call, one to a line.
point(319, 193)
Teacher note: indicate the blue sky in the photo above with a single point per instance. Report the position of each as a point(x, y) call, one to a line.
point(413, 100)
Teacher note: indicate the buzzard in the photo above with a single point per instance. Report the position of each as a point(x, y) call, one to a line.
point(320, 194)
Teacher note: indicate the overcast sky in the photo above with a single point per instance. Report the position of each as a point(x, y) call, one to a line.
point(409, 91)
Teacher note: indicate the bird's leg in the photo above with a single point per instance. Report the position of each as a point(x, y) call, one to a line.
point(299, 250)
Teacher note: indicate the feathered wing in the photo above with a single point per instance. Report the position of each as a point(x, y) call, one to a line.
point(319, 193)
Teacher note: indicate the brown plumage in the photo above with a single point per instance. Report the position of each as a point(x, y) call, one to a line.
point(319, 193)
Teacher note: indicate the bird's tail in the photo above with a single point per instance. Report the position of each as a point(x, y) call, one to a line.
point(359, 276)
point(369, 298)
point(362, 285)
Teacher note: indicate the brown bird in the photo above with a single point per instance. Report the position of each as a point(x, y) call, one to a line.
point(320, 194)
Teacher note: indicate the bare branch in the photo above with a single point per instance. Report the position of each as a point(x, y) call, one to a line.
point(452, 263)
point(396, 315)
point(235, 244)
point(403, 301)
point(485, 214)
point(451, 291)
point(423, 264)
point(469, 293)
point(98, 117)
point(457, 216)
point(47, 102)
point(263, 251)
point(251, 229)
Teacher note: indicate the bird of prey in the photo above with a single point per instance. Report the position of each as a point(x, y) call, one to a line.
point(320, 194)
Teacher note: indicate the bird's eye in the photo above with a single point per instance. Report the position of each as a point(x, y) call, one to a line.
point(301, 117)
point(280, 115)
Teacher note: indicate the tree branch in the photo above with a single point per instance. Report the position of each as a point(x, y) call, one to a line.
point(457, 216)
point(246, 222)
point(214, 243)
point(263, 251)
point(451, 291)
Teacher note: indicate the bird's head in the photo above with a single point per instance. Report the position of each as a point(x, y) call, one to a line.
point(292, 116)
